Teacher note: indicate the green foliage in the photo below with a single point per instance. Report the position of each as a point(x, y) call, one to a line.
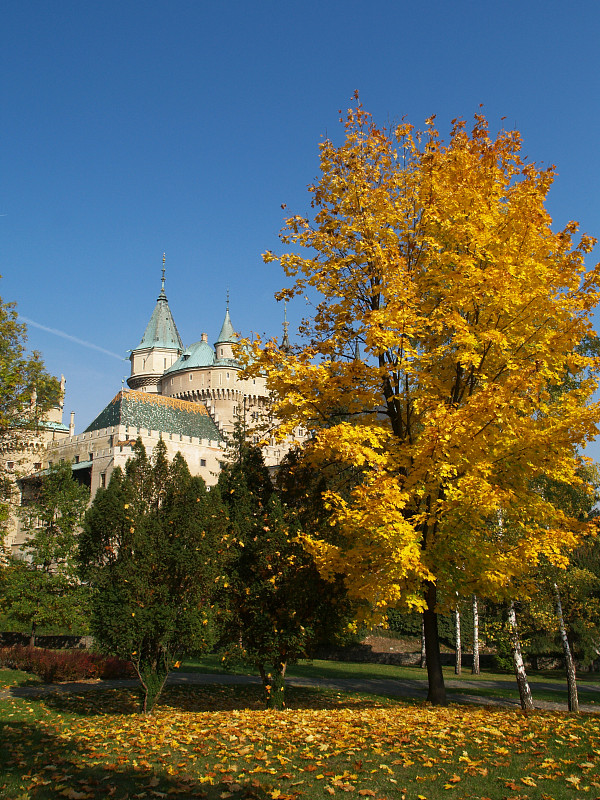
point(278, 607)
point(21, 375)
point(52, 521)
point(410, 625)
point(44, 590)
point(152, 549)
point(578, 582)
point(27, 392)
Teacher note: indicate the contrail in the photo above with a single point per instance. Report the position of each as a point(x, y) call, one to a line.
point(70, 338)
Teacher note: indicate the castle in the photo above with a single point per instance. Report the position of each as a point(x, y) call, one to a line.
point(190, 397)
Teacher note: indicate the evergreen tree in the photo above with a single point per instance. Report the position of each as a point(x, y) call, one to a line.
point(151, 549)
point(278, 607)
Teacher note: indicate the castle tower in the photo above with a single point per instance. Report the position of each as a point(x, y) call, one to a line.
point(226, 340)
point(160, 347)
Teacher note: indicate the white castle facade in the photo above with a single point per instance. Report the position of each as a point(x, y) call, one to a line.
point(189, 397)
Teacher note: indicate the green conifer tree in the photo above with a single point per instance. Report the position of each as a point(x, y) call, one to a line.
point(278, 606)
point(152, 549)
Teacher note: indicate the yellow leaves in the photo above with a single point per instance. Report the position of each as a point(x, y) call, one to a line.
point(439, 257)
point(452, 781)
point(221, 737)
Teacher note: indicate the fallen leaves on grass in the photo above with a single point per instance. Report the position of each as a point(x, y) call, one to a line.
point(220, 740)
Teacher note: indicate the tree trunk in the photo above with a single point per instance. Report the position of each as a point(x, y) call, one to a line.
point(153, 674)
point(475, 669)
point(423, 662)
point(457, 642)
point(520, 674)
point(274, 685)
point(437, 690)
point(32, 634)
point(569, 664)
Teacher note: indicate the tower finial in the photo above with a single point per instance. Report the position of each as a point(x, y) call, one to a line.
point(162, 295)
point(227, 306)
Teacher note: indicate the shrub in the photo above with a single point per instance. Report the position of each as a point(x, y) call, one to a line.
point(64, 665)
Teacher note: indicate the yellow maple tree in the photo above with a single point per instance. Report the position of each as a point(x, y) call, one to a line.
point(449, 315)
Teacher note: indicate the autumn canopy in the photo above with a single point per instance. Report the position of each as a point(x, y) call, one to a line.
point(444, 359)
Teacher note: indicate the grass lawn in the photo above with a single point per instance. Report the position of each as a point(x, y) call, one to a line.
point(545, 685)
point(218, 742)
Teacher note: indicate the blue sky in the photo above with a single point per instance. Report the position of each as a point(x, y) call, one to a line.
point(133, 128)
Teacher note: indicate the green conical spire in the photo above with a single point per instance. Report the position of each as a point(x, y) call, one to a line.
point(227, 334)
point(161, 331)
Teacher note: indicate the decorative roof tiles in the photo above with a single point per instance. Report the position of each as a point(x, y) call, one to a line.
point(158, 413)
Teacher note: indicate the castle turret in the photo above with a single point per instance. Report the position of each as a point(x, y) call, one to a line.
point(160, 347)
point(226, 340)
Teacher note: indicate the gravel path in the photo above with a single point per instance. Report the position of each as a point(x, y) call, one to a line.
point(457, 691)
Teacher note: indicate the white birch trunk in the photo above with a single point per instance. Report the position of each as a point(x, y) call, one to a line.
point(475, 669)
point(569, 663)
point(457, 642)
point(423, 663)
point(520, 674)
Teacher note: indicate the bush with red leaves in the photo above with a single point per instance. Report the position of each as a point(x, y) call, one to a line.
point(53, 666)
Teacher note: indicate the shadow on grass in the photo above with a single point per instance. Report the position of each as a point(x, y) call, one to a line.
point(202, 698)
point(38, 764)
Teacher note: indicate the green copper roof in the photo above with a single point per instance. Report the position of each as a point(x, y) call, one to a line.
point(53, 426)
point(227, 333)
point(157, 413)
point(161, 330)
point(199, 354)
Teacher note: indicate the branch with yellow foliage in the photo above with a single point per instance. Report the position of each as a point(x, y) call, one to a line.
point(438, 261)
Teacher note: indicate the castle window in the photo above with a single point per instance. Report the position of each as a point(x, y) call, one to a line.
point(37, 465)
point(10, 465)
point(90, 456)
point(191, 376)
point(227, 376)
point(202, 462)
point(103, 480)
point(77, 459)
point(165, 362)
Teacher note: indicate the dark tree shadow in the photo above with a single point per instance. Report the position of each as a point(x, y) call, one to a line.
point(63, 766)
point(199, 698)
